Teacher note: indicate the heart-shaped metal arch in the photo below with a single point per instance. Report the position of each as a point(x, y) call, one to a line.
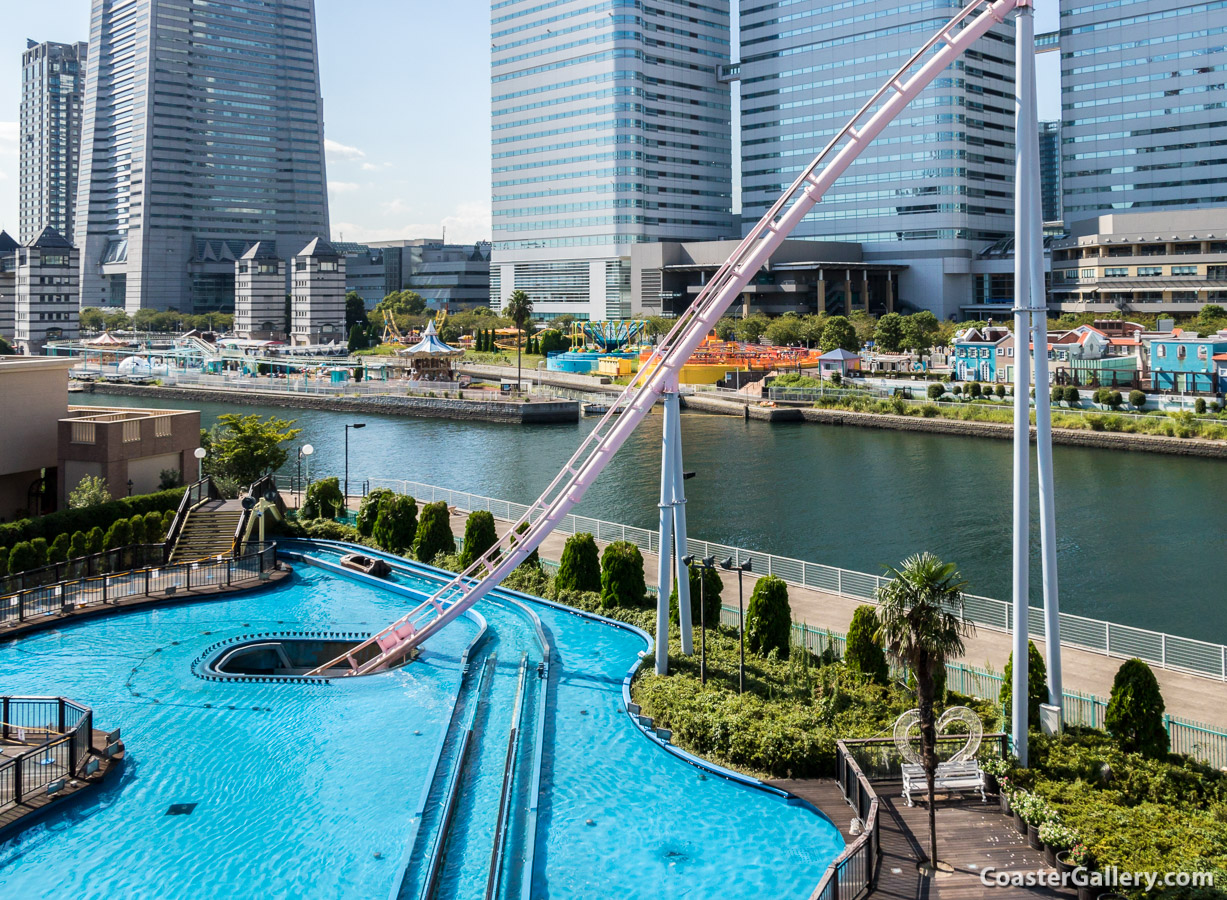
point(911, 720)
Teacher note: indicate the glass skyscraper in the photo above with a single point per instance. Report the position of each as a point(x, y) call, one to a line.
point(935, 187)
point(52, 84)
point(202, 134)
point(609, 128)
point(1143, 96)
point(1050, 170)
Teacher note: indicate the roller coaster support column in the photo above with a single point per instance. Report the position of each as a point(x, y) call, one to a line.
point(673, 428)
point(1026, 168)
point(664, 548)
point(1043, 427)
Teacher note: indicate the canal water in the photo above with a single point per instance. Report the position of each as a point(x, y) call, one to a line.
point(1140, 536)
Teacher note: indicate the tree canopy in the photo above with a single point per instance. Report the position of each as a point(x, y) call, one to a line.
point(245, 447)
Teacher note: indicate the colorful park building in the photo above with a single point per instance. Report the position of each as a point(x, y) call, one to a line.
point(1188, 363)
point(979, 353)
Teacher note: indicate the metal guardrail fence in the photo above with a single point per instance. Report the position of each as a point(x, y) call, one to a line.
point(1167, 651)
point(68, 731)
point(1196, 739)
point(96, 564)
point(67, 596)
point(855, 869)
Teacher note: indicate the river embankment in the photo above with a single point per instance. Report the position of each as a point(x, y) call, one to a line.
point(526, 412)
point(1072, 437)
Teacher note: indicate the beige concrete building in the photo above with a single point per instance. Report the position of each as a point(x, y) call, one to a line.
point(259, 294)
point(1150, 262)
point(130, 448)
point(33, 398)
point(317, 305)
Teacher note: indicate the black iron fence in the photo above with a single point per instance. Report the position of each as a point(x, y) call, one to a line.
point(68, 596)
point(59, 733)
point(116, 560)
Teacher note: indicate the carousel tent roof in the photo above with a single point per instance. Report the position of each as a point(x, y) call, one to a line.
point(429, 346)
point(106, 339)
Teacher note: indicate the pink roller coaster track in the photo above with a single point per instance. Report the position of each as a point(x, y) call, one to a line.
point(398, 640)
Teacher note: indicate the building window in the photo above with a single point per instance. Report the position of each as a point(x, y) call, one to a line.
point(1088, 274)
point(1184, 270)
point(1115, 273)
point(1149, 271)
point(1182, 352)
point(1203, 352)
point(1160, 350)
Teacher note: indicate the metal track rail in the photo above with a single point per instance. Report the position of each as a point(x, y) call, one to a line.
point(659, 373)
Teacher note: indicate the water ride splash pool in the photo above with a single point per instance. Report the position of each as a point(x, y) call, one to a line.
point(341, 789)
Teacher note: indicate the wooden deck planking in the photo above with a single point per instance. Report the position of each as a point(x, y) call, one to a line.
point(971, 835)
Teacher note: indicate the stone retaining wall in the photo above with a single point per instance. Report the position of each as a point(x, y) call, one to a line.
point(1148, 443)
point(545, 412)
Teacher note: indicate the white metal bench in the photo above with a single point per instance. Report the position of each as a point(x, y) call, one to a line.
point(950, 776)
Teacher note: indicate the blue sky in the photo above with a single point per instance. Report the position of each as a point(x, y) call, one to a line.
point(406, 109)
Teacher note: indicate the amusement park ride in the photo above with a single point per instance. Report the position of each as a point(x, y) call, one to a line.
point(659, 378)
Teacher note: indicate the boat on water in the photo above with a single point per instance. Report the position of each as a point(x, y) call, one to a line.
point(598, 409)
point(366, 565)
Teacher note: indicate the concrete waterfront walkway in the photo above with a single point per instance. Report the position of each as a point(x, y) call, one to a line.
point(1192, 697)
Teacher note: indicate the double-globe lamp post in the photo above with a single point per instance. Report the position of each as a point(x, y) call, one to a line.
point(747, 566)
point(346, 492)
point(708, 562)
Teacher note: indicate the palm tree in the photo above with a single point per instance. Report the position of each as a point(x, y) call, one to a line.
point(922, 624)
point(520, 310)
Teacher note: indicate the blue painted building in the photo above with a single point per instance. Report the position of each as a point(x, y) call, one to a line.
point(976, 352)
point(1188, 364)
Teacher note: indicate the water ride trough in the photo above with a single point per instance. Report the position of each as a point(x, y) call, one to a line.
point(658, 378)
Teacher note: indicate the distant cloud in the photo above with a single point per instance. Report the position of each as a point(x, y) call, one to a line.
point(342, 187)
point(337, 150)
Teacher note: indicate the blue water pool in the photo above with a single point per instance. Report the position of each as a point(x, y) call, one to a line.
point(342, 789)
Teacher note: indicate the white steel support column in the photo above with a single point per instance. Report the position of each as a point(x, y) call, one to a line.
point(1043, 421)
point(673, 424)
point(664, 568)
point(1026, 165)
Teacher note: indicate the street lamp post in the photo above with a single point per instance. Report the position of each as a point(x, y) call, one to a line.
point(708, 562)
point(747, 566)
point(200, 453)
point(346, 493)
point(305, 450)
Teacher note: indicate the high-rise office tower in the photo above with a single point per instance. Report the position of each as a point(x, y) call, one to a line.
point(1142, 97)
point(47, 303)
point(935, 188)
point(609, 128)
point(202, 134)
point(1050, 170)
point(52, 85)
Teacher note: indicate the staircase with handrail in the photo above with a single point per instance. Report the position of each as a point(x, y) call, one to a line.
point(659, 374)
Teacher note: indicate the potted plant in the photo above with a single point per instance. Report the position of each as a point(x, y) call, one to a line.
point(1019, 802)
point(1055, 837)
point(1035, 813)
point(993, 768)
point(1006, 790)
point(1077, 855)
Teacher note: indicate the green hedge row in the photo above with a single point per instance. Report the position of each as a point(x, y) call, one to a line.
point(66, 521)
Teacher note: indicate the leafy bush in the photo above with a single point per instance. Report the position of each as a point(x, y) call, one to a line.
point(935, 391)
point(95, 541)
point(533, 560)
point(22, 558)
point(1072, 396)
point(708, 594)
point(434, 533)
point(1037, 687)
point(1199, 406)
point(396, 524)
point(580, 567)
point(1137, 399)
point(77, 546)
point(58, 551)
point(864, 655)
point(118, 535)
point(1135, 710)
point(90, 491)
point(4, 561)
point(154, 530)
point(324, 500)
point(169, 478)
point(136, 525)
point(329, 530)
point(622, 578)
point(368, 510)
point(168, 519)
point(974, 390)
point(85, 518)
point(1000, 391)
point(479, 536)
point(769, 617)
